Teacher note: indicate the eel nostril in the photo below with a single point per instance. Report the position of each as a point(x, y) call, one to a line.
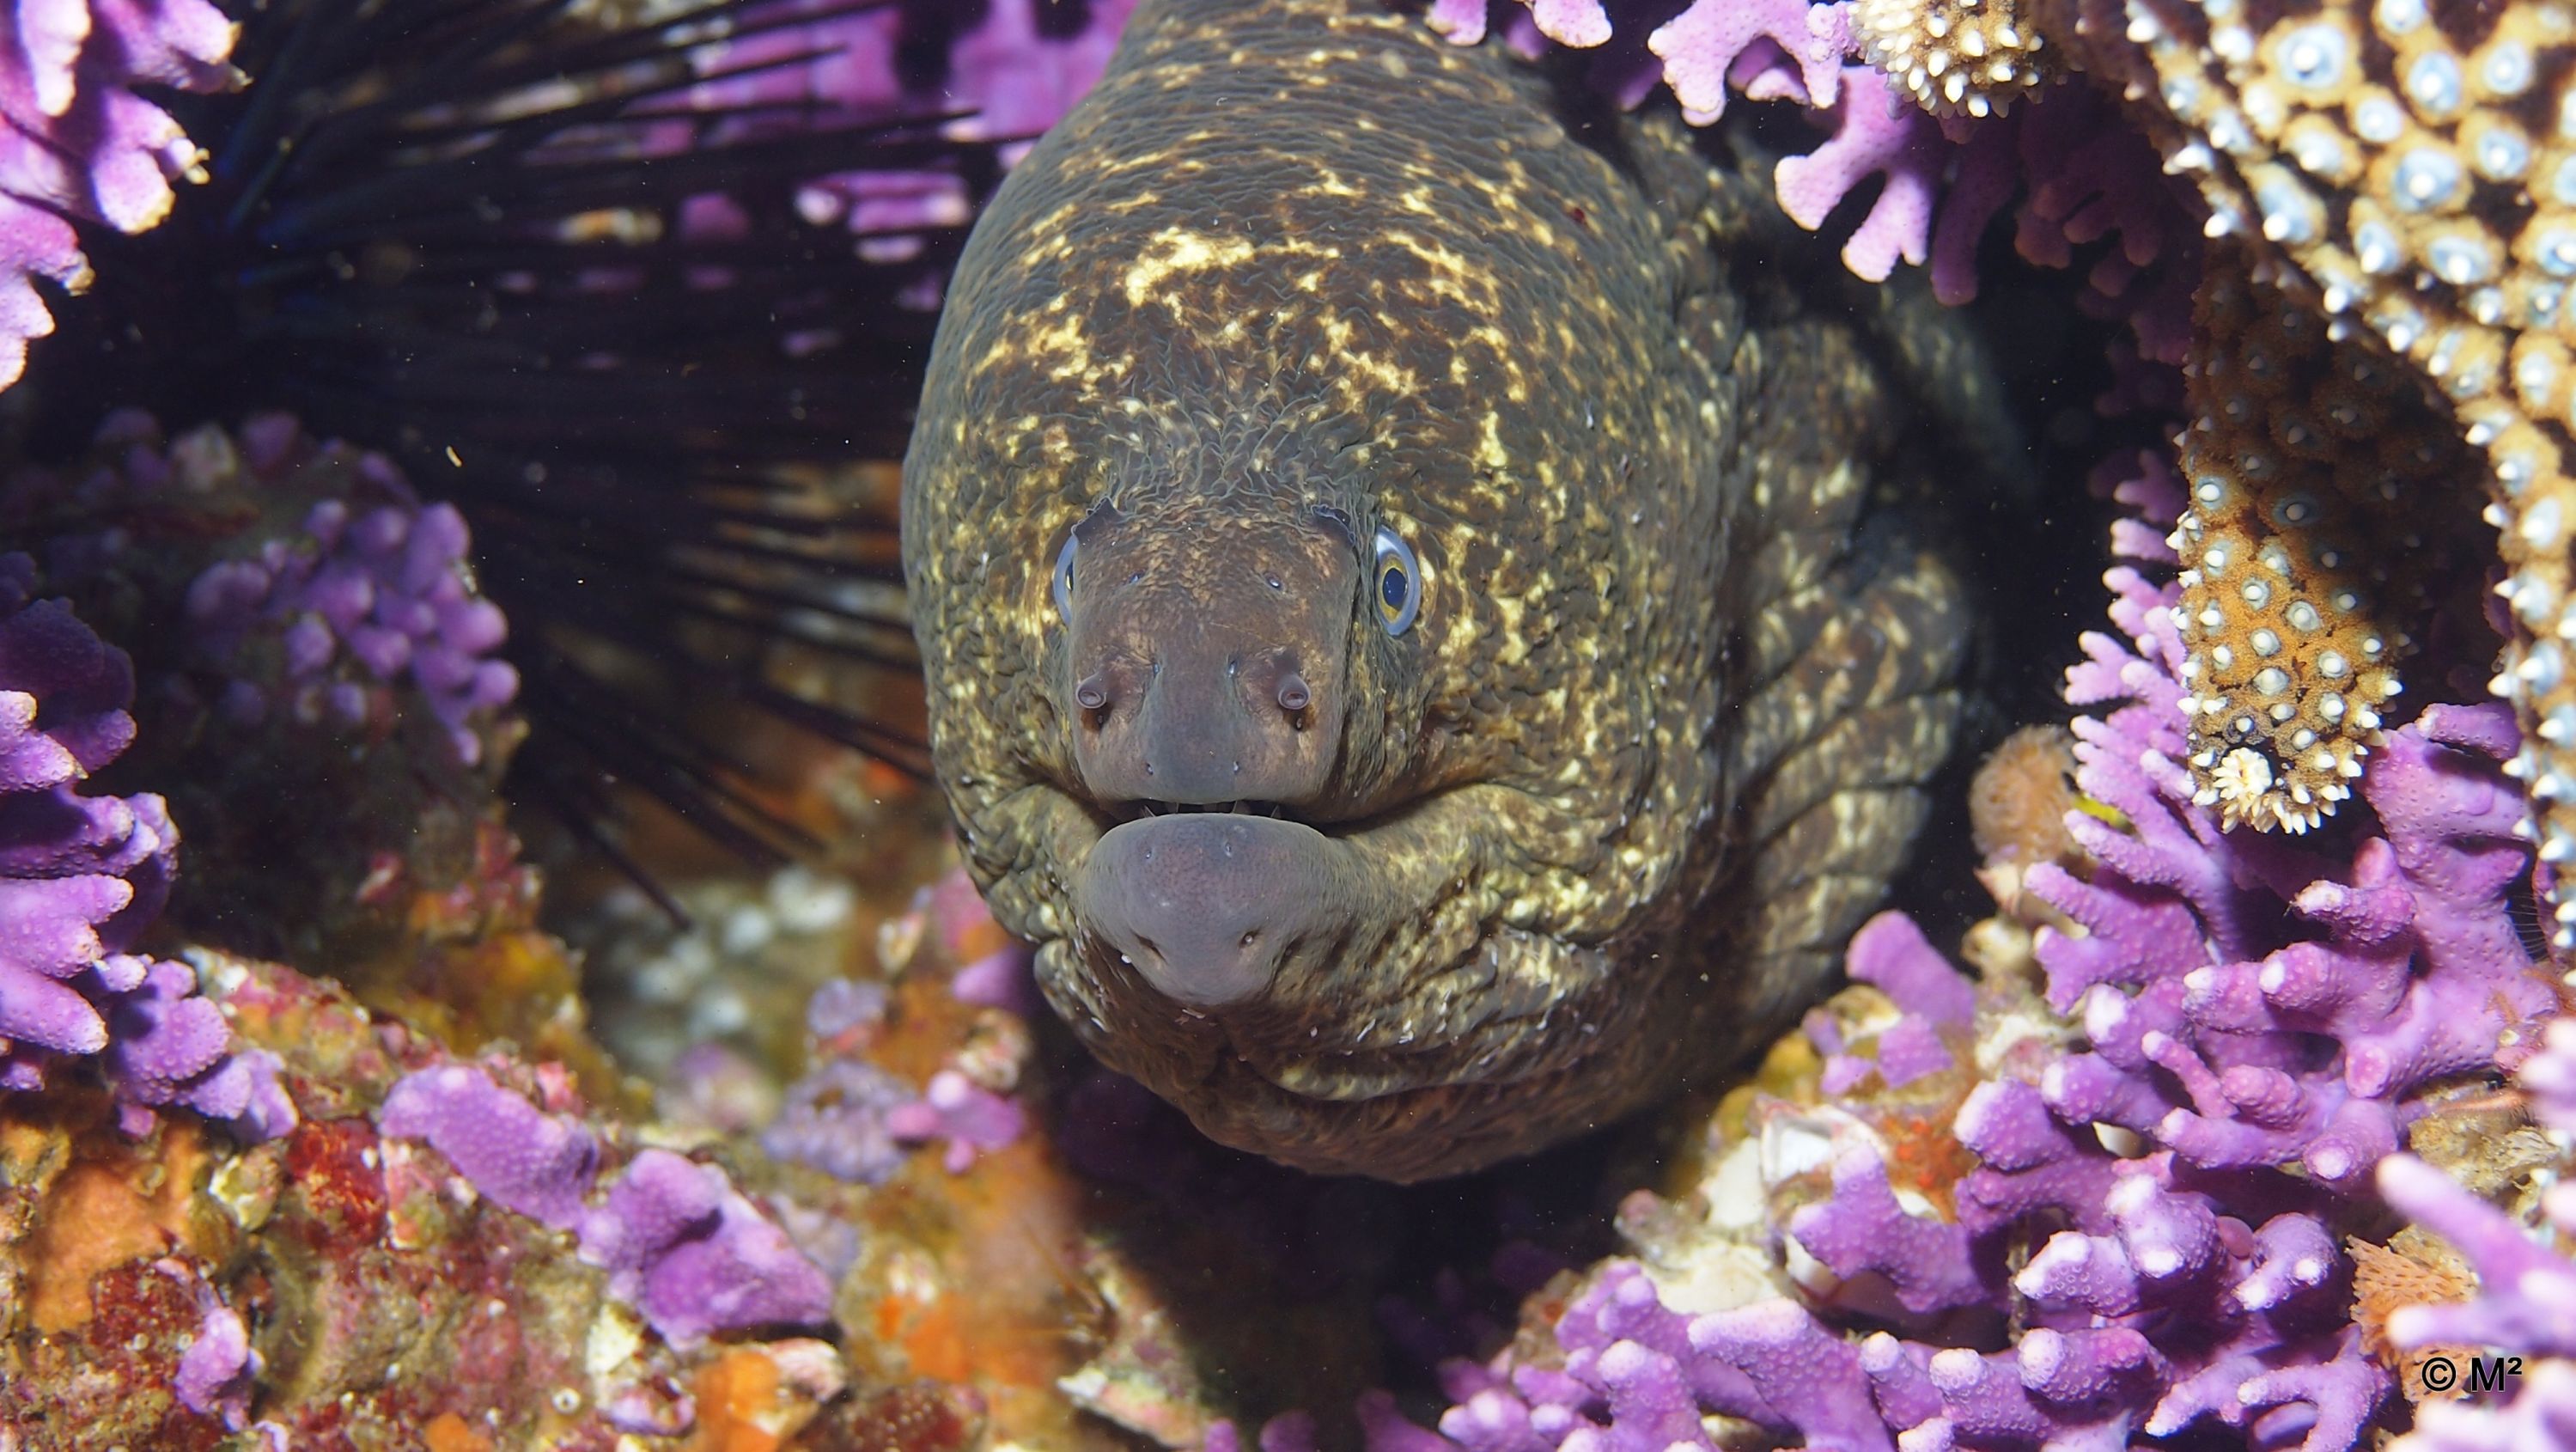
point(1091, 695)
point(1293, 695)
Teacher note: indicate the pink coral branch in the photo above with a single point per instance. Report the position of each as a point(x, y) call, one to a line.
point(77, 142)
point(1700, 48)
point(1876, 133)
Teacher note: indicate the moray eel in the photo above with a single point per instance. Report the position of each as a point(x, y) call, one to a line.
point(1392, 566)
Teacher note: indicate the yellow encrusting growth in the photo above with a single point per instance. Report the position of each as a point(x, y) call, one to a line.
point(2415, 1268)
point(1972, 57)
point(2019, 798)
point(2301, 463)
point(2406, 171)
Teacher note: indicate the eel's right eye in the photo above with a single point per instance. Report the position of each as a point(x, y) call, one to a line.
point(1064, 580)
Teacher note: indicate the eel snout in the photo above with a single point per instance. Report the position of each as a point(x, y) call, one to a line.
point(1201, 672)
point(1212, 716)
point(1206, 684)
point(1210, 908)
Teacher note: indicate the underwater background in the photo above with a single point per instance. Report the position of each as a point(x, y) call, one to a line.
point(481, 965)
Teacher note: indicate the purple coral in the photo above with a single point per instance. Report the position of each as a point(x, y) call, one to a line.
point(2408, 966)
point(375, 589)
point(2527, 1302)
point(678, 1241)
point(167, 1046)
point(684, 1247)
point(1875, 133)
point(318, 588)
point(1288, 1432)
point(851, 1119)
point(970, 1118)
point(2082, 176)
point(513, 1153)
point(836, 1120)
point(1764, 47)
point(1637, 1374)
point(2549, 1078)
point(81, 144)
point(215, 1371)
point(1015, 71)
point(1891, 953)
point(2295, 1008)
point(1000, 979)
point(2248, 1010)
point(81, 877)
point(2093, 179)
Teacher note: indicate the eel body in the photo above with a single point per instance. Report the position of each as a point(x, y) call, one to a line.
point(1393, 560)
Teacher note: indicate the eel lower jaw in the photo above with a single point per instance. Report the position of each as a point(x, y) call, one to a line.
point(1211, 908)
point(1235, 934)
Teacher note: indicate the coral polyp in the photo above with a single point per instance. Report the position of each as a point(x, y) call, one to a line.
point(2403, 165)
point(1971, 57)
point(2304, 563)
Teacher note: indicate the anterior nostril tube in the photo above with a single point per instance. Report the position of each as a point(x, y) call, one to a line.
point(1293, 695)
point(1091, 695)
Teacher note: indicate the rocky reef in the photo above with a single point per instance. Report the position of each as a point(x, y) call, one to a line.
point(363, 1084)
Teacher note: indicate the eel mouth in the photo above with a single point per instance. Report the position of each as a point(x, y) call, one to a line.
point(1212, 904)
point(1322, 955)
point(1139, 810)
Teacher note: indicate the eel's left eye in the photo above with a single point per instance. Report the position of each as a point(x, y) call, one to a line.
point(1398, 587)
point(1064, 580)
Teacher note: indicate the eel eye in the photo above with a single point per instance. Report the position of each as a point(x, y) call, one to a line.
point(1064, 580)
point(1399, 583)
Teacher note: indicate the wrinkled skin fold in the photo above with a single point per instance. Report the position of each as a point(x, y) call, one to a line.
point(1300, 296)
